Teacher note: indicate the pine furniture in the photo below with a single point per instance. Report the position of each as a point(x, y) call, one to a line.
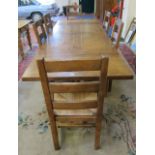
point(39, 31)
point(48, 23)
point(117, 31)
point(106, 20)
point(79, 39)
point(74, 113)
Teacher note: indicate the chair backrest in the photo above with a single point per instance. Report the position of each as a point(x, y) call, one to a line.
point(49, 88)
point(39, 31)
point(74, 120)
point(117, 31)
point(48, 22)
point(106, 20)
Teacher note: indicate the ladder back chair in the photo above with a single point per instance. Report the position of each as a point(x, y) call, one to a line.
point(48, 22)
point(23, 31)
point(39, 31)
point(117, 31)
point(106, 20)
point(72, 113)
point(70, 13)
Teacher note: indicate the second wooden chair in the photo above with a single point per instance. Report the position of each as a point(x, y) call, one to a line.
point(48, 22)
point(106, 20)
point(39, 31)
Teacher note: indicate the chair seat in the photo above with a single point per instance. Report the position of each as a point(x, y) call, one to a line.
point(75, 112)
point(71, 98)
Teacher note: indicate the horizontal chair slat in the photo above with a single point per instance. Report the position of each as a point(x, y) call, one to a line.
point(70, 125)
point(74, 87)
point(64, 119)
point(72, 65)
point(69, 106)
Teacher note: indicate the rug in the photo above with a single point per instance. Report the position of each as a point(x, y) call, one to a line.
point(86, 16)
point(117, 122)
point(129, 56)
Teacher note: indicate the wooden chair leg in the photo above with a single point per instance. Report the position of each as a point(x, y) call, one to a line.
point(43, 31)
point(55, 135)
point(28, 38)
point(98, 134)
point(98, 128)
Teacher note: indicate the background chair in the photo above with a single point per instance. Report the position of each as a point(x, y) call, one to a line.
point(39, 31)
point(116, 32)
point(23, 32)
point(73, 113)
point(48, 22)
point(71, 12)
point(106, 20)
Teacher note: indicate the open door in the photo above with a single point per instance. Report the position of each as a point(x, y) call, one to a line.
point(87, 6)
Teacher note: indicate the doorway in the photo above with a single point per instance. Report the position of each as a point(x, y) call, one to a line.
point(87, 6)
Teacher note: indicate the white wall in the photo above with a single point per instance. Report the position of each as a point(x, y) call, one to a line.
point(61, 3)
point(129, 12)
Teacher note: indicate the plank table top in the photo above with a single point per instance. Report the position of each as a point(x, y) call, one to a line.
point(79, 39)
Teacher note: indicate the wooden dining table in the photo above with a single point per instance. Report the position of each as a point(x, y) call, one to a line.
point(79, 39)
